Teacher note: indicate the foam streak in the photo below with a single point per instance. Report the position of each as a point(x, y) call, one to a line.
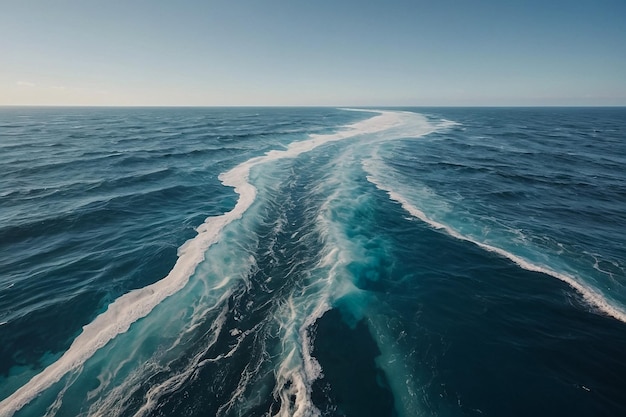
point(130, 307)
point(590, 295)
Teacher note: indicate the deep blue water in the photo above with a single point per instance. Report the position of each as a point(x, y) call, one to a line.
point(303, 262)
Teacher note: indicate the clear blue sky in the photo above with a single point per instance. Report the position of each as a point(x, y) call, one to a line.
point(292, 52)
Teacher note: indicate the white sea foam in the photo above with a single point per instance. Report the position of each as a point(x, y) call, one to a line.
point(299, 369)
point(590, 295)
point(293, 386)
point(130, 307)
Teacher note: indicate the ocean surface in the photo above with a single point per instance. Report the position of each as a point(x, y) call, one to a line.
point(312, 262)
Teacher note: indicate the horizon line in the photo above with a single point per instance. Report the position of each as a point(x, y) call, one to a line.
point(312, 106)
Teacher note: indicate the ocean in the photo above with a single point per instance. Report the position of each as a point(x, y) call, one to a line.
point(312, 262)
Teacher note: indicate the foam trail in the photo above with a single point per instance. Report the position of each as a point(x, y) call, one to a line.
point(329, 281)
point(590, 295)
point(130, 307)
point(298, 370)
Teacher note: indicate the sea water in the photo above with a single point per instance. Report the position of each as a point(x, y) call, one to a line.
point(312, 261)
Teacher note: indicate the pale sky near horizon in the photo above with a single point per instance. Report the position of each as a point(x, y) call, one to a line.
point(336, 53)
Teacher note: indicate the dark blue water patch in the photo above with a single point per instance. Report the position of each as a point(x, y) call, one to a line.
point(352, 384)
point(26, 341)
point(511, 352)
point(51, 306)
point(486, 337)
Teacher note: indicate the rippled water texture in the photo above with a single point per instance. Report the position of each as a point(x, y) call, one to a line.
point(306, 262)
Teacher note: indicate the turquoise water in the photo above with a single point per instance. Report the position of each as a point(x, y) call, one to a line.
point(257, 261)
